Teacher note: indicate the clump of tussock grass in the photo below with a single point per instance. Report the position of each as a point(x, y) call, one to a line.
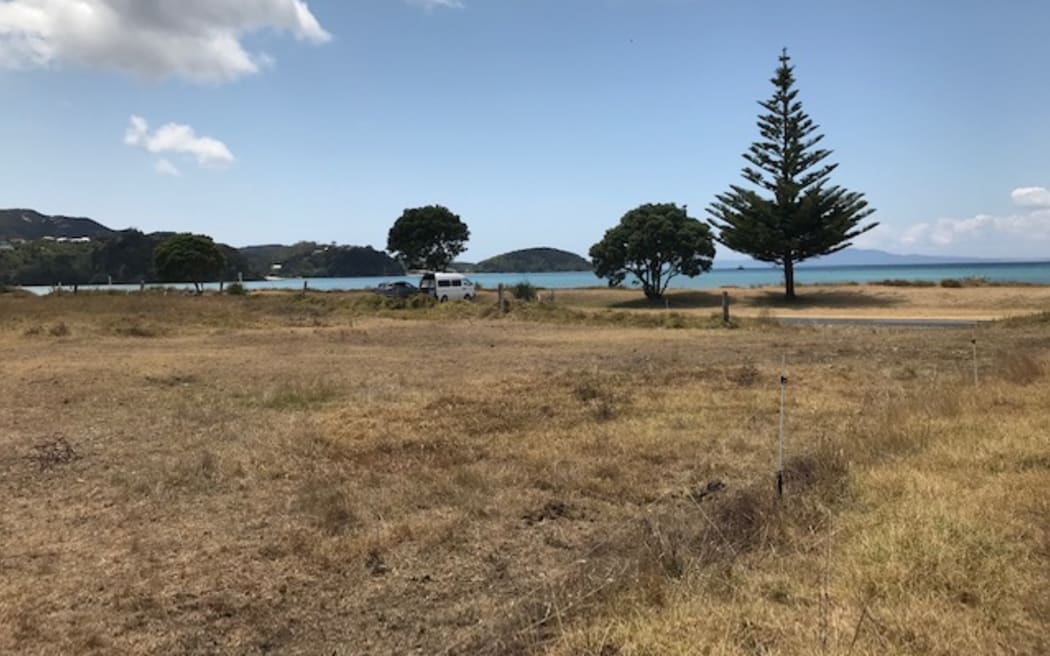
point(236, 289)
point(600, 393)
point(59, 329)
point(172, 380)
point(641, 564)
point(1019, 368)
point(746, 375)
point(1028, 320)
point(136, 327)
point(298, 395)
point(53, 453)
point(195, 472)
point(524, 291)
point(328, 506)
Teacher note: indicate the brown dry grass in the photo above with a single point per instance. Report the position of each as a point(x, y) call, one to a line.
point(869, 300)
point(328, 474)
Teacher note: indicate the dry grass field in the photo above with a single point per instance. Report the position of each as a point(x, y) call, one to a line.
point(329, 474)
point(830, 301)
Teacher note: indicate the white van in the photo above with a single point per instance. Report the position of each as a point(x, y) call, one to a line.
point(447, 286)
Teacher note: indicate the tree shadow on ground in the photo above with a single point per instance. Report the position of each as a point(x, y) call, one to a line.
point(824, 298)
point(712, 300)
point(676, 300)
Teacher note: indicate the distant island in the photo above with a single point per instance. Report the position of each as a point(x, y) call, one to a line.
point(533, 260)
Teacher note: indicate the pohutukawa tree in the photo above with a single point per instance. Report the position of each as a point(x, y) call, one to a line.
point(791, 213)
point(187, 257)
point(654, 243)
point(428, 238)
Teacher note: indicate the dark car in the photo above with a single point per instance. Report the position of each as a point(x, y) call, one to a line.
point(397, 289)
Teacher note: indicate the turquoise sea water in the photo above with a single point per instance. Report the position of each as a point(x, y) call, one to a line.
point(1023, 272)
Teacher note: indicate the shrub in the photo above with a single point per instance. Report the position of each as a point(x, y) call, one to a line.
point(968, 281)
point(896, 282)
point(236, 289)
point(134, 327)
point(421, 301)
point(524, 291)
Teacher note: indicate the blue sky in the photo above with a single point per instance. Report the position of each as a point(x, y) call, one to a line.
point(539, 121)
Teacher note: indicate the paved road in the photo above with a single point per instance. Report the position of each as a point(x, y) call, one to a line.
point(887, 323)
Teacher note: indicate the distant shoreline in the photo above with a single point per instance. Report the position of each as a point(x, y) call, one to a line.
point(915, 275)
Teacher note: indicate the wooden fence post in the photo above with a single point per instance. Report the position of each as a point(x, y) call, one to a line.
point(502, 300)
point(725, 307)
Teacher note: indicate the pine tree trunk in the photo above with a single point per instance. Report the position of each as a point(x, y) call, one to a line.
point(789, 279)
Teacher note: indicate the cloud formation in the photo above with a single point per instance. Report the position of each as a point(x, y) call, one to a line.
point(431, 5)
point(1031, 196)
point(1024, 233)
point(198, 40)
point(165, 167)
point(177, 139)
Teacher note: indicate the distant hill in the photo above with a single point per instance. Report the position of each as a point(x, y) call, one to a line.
point(533, 260)
point(53, 252)
point(309, 259)
point(874, 257)
point(32, 225)
point(125, 256)
point(856, 257)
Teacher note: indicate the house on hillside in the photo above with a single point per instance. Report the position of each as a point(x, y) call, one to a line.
point(6, 246)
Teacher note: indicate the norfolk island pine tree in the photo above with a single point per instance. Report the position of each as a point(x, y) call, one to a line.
point(803, 217)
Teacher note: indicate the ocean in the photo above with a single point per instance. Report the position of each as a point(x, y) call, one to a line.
point(1020, 272)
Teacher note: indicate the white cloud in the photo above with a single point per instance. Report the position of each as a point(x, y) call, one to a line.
point(431, 5)
point(1020, 234)
point(177, 139)
point(1031, 196)
point(165, 167)
point(199, 40)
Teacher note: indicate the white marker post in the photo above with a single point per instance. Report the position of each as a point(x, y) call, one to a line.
point(780, 443)
point(973, 343)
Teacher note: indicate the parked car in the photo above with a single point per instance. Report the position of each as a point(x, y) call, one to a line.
point(447, 286)
point(399, 289)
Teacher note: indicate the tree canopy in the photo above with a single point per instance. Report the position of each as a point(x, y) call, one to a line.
point(428, 238)
point(790, 213)
point(655, 243)
point(187, 257)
